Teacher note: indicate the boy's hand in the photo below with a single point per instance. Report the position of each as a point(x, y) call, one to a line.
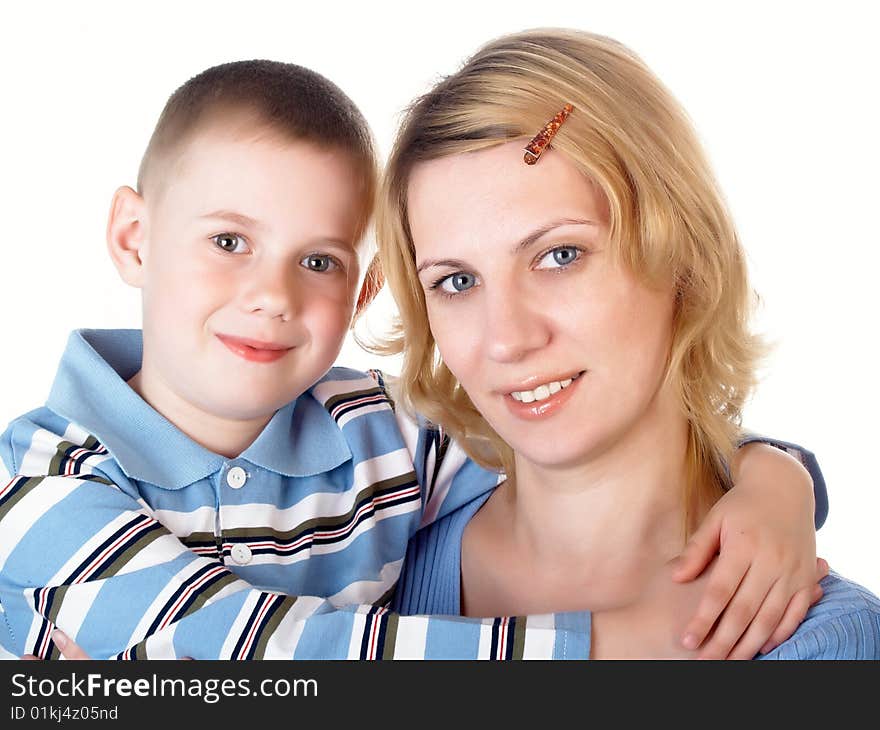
point(766, 575)
point(69, 649)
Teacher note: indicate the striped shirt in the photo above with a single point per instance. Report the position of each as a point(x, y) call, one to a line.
point(140, 543)
point(843, 624)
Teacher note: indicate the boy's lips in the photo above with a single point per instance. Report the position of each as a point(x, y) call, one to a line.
point(254, 350)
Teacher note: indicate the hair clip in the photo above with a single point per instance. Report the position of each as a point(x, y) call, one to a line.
point(540, 141)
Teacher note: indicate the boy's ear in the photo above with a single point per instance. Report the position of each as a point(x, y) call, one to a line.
point(126, 234)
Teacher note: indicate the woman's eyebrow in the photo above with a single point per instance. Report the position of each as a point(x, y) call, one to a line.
point(451, 263)
point(543, 230)
point(521, 245)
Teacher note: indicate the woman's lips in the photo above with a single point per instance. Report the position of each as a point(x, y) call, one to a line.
point(543, 408)
point(254, 350)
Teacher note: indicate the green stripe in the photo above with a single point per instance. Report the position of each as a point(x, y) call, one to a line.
point(519, 638)
point(122, 560)
point(23, 489)
point(390, 635)
point(331, 403)
point(270, 627)
point(332, 522)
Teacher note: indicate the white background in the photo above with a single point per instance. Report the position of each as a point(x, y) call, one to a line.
point(784, 96)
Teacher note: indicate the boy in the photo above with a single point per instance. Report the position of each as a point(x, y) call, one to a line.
point(180, 489)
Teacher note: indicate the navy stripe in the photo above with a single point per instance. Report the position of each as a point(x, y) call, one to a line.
point(372, 400)
point(41, 634)
point(276, 602)
point(380, 641)
point(239, 645)
point(79, 460)
point(145, 525)
point(14, 490)
point(368, 632)
point(496, 636)
point(185, 587)
point(511, 633)
point(345, 529)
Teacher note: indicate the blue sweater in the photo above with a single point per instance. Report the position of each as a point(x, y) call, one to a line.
point(844, 624)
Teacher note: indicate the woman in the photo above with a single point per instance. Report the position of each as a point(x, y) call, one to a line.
point(588, 309)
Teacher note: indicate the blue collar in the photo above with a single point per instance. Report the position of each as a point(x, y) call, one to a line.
point(90, 389)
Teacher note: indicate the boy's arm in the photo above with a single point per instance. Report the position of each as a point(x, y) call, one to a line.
point(767, 572)
point(79, 554)
point(808, 461)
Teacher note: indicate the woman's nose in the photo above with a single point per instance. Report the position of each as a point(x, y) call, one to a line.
point(514, 327)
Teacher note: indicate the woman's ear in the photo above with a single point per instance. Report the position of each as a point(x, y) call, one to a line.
point(126, 235)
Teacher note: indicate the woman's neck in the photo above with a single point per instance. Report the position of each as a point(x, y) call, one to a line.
point(595, 534)
point(631, 494)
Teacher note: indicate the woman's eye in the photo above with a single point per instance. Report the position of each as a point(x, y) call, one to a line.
point(458, 283)
point(319, 262)
point(230, 242)
point(559, 257)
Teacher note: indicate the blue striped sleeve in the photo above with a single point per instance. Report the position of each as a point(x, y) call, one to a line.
point(79, 554)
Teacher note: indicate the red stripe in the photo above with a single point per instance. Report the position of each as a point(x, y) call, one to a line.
point(44, 646)
point(502, 639)
point(374, 633)
point(100, 559)
point(331, 533)
point(9, 485)
point(377, 398)
point(247, 644)
point(173, 610)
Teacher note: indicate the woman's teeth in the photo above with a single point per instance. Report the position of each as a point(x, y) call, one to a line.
point(542, 392)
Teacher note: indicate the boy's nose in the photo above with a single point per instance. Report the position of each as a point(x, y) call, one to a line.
point(271, 294)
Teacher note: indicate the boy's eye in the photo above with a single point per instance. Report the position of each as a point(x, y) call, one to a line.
point(559, 257)
point(319, 262)
point(230, 242)
point(458, 282)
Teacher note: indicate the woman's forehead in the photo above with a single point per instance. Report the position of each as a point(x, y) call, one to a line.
point(493, 187)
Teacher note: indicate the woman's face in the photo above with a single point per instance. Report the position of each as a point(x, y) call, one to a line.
point(562, 350)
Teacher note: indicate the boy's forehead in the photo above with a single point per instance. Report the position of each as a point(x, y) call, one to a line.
point(256, 173)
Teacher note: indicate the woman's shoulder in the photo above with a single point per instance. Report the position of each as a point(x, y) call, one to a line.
point(844, 624)
point(431, 576)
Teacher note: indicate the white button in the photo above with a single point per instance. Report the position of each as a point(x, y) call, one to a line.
point(236, 477)
point(241, 554)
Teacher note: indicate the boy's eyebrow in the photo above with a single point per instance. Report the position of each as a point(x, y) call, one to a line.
point(239, 218)
point(520, 246)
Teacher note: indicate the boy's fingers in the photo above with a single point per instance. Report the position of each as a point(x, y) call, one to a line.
point(723, 582)
point(763, 626)
point(791, 619)
point(700, 550)
point(822, 568)
point(737, 616)
point(68, 648)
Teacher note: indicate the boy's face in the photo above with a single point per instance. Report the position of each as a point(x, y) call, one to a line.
point(249, 270)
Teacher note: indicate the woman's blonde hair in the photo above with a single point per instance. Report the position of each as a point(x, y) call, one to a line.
point(667, 222)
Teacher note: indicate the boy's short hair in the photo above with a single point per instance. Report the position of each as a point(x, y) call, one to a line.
point(293, 101)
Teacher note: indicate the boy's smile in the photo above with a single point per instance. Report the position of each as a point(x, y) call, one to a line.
point(247, 262)
point(254, 350)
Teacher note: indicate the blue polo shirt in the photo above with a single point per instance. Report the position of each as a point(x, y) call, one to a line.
point(138, 542)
